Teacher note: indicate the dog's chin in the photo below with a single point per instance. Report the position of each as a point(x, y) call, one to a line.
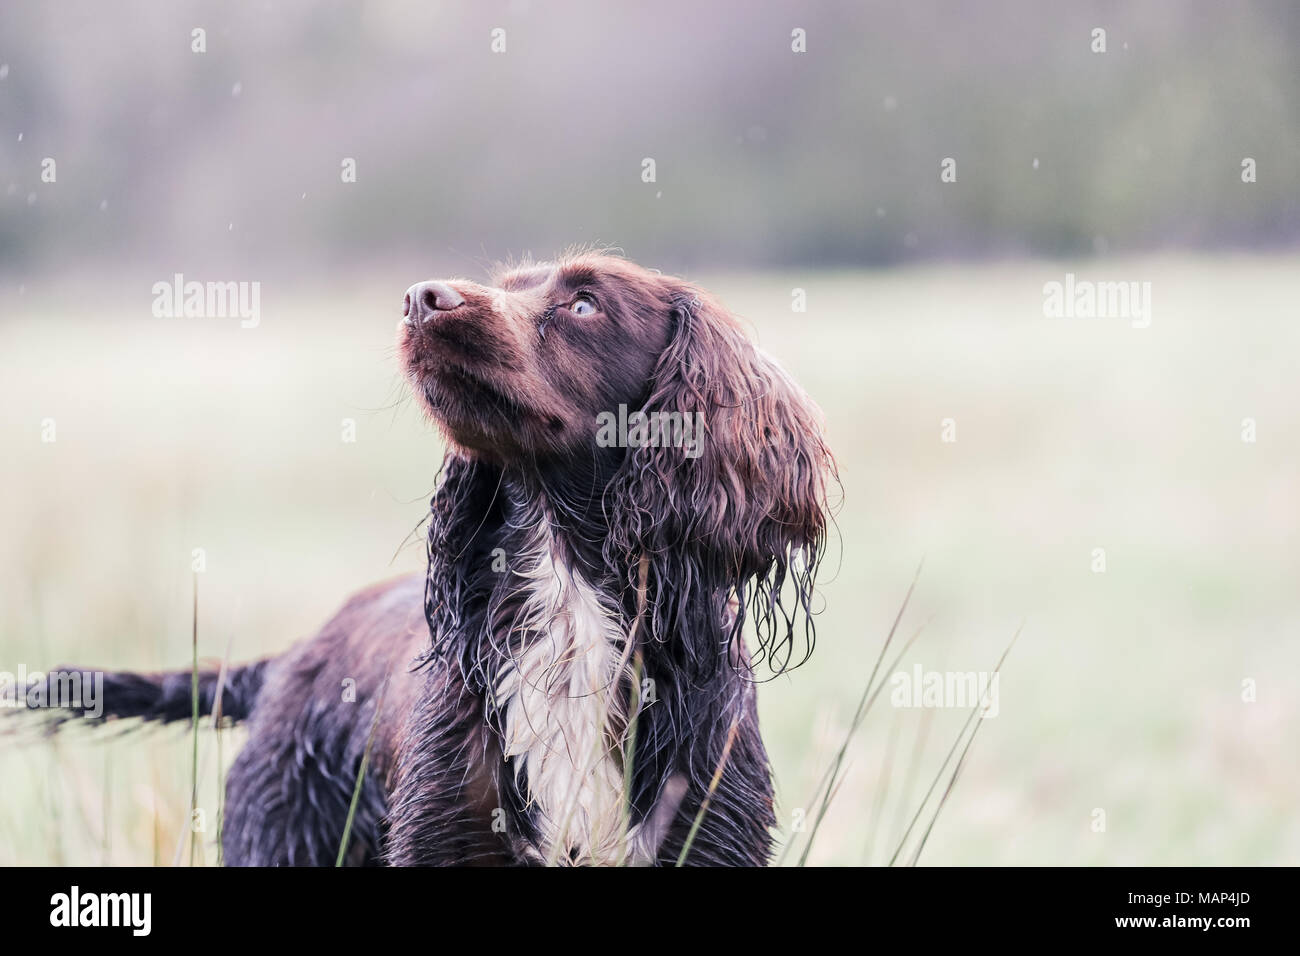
point(476, 410)
point(481, 419)
point(469, 415)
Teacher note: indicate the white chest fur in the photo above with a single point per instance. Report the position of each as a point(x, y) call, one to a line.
point(558, 698)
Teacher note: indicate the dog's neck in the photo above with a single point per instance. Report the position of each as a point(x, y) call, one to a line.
point(558, 691)
point(522, 592)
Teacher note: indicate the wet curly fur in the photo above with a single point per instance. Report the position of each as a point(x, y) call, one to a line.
point(539, 534)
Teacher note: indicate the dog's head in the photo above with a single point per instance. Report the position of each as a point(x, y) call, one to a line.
point(520, 369)
point(719, 468)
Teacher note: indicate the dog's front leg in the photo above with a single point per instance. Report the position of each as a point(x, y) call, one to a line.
point(443, 805)
point(736, 820)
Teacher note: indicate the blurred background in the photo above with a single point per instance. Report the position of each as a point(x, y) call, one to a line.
point(337, 153)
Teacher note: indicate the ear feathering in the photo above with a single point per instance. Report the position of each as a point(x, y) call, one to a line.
point(736, 534)
point(462, 506)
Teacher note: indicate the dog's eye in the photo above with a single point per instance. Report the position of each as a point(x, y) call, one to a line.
point(583, 305)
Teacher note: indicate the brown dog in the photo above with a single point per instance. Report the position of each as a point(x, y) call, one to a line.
point(630, 488)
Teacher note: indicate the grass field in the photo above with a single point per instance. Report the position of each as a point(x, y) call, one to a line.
point(1124, 693)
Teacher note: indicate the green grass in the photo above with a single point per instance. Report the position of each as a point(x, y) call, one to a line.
point(1123, 693)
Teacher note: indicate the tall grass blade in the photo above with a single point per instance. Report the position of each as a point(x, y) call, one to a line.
point(961, 762)
point(882, 785)
point(629, 754)
point(869, 696)
point(106, 823)
point(361, 773)
point(708, 797)
point(194, 733)
point(952, 781)
point(218, 697)
point(194, 695)
point(913, 769)
point(951, 751)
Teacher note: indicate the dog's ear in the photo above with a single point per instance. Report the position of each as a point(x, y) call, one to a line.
point(733, 518)
point(460, 528)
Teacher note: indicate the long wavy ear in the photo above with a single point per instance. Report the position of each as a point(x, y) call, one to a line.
point(461, 521)
point(733, 518)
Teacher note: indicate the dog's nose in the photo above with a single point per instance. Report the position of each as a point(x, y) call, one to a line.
point(424, 299)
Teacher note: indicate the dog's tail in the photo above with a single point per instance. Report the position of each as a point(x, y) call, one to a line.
point(71, 692)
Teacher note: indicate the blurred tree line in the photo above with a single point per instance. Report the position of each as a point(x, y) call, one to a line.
point(237, 154)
